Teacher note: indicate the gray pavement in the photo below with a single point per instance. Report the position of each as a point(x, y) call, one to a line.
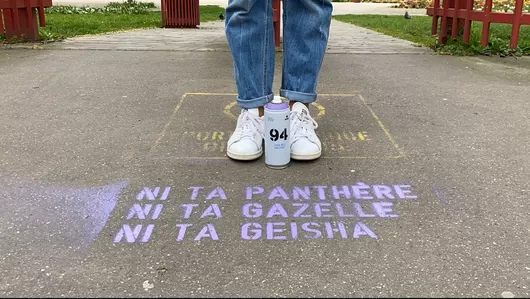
point(344, 38)
point(115, 181)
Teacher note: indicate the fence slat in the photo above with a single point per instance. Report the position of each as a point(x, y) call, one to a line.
point(516, 25)
point(2, 28)
point(15, 19)
point(486, 23)
point(454, 25)
point(468, 20)
point(443, 25)
point(435, 17)
point(42, 17)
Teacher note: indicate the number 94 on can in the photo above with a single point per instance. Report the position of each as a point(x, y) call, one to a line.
point(277, 125)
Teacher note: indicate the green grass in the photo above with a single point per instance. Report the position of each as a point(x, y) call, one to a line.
point(61, 25)
point(418, 30)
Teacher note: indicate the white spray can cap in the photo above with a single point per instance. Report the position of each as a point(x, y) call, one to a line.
point(277, 100)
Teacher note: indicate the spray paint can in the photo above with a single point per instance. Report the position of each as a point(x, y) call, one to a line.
point(277, 126)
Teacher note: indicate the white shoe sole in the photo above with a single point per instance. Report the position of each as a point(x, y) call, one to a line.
point(306, 157)
point(241, 157)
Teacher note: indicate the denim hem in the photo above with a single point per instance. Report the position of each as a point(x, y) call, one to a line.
point(297, 96)
point(254, 103)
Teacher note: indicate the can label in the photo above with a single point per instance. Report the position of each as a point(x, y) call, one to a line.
point(277, 143)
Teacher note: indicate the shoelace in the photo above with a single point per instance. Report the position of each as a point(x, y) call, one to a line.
point(248, 123)
point(301, 123)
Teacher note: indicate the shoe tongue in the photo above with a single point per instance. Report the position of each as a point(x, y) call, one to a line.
point(300, 108)
point(254, 111)
point(247, 124)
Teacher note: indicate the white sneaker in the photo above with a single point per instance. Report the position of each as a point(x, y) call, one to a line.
point(246, 143)
point(305, 144)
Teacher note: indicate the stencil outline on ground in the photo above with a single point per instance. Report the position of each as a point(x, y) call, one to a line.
point(167, 147)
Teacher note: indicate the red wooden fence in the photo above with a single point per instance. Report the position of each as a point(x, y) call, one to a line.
point(458, 14)
point(18, 18)
point(180, 13)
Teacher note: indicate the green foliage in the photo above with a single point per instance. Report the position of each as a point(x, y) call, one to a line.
point(128, 7)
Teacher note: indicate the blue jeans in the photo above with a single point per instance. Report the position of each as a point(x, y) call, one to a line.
point(250, 35)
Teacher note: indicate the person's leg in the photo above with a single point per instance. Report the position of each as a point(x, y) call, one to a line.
point(250, 36)
point(305, 38)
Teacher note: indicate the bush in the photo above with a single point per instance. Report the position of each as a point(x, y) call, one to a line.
point(128, 7)
point(382, 1)
point(414, 4)
point(502, 5)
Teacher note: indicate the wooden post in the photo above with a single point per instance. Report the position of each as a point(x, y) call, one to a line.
point(455, 25)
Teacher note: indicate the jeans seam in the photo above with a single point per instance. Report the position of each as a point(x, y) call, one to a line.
point(266, 49)
point(326, 37)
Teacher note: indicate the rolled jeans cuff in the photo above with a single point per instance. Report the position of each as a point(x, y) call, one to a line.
point(254, 103)
point(297, 96)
